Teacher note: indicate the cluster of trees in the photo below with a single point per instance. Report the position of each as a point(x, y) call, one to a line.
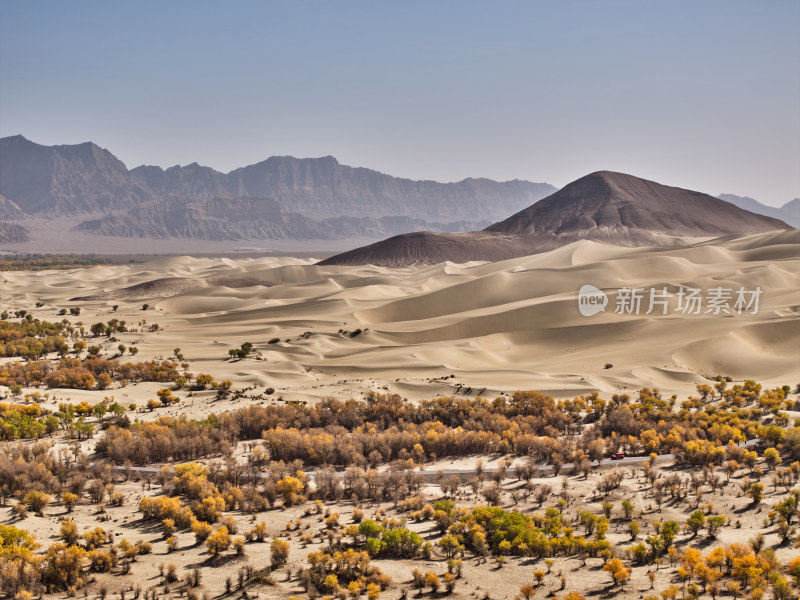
point(166, 439)
point(108, 329)
point(32, 338)
point(38, 262)
point(32, 421)
point(34, 474)
point(25, 421)
point(350, 570)
point(72, 417)
point(383, 542)
point(65, 565)
point(89, 373)
point(11, 332)
point(191, 501)
point(209, 493)
point(481, 531)
point(736, 569)
point(18, 561)
point(381, 429)
point(490, 529)
point(397, 481)
point(29, 467)
point(242, 352)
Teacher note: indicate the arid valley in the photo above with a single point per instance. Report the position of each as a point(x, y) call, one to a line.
point(288, 379)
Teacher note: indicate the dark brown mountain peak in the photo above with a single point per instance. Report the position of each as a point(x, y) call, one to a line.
point(605, 203)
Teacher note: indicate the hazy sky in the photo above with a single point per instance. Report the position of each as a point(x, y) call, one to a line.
point(699, 94)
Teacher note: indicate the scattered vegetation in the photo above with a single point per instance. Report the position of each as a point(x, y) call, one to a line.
point(736, 449)
point(242, 352)
point(40, 262)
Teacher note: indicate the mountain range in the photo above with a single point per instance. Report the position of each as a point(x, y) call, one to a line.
point(87, 188)
point(279, 198)
point(605, 206)
point(789, 212)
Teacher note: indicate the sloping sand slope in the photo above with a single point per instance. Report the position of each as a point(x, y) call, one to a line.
point(496, 327)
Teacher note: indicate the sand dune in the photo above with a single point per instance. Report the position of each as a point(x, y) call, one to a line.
point(496, 327)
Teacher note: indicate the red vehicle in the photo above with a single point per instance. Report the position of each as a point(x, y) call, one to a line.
point(618, 456)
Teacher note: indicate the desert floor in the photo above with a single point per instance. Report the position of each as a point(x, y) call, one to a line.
point(480, 577)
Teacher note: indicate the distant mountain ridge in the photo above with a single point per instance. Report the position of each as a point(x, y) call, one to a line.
point(247, 219)
point(65, 180)
point(283, 197)
point(792, 211)
point(11, 233)
point(789, 212)
point(328, 188)
point(604, 206)
point(9, 210)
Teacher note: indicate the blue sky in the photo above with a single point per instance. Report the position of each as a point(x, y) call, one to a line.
point(698, 94)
